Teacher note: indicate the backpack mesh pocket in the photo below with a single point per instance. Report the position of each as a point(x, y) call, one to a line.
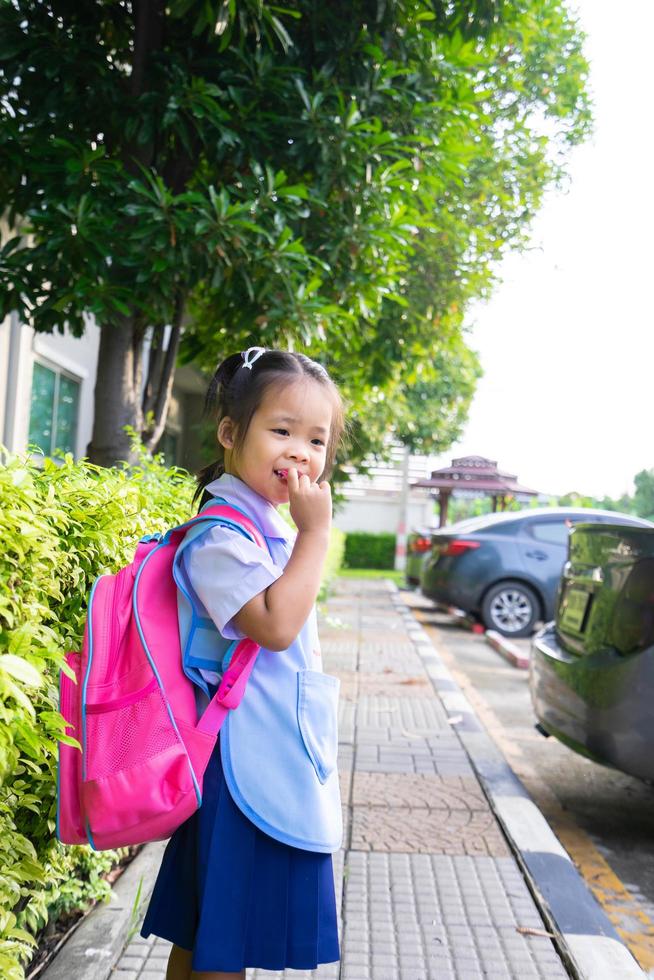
point(125, 737)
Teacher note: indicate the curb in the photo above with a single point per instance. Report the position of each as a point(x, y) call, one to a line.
point(95, 947)
point(507, 649)
point(584, 935)
point(464, 619)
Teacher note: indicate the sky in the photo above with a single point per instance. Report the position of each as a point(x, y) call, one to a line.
point(567, 341)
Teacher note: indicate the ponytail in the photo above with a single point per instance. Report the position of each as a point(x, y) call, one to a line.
point(206, 476)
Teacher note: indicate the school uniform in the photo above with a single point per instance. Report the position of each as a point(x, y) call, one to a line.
point(247, 881)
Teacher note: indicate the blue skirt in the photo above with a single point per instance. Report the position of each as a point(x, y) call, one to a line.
point(238, 898)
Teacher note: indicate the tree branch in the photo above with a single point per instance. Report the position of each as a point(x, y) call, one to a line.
point(154, 369)
point(165, 385)
point(137, 373)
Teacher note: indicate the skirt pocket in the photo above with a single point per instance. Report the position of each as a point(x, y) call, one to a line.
point(317, 713)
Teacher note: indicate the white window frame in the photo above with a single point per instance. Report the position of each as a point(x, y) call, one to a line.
point(57, 369)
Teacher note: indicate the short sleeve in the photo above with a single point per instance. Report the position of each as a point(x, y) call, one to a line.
point(226, 570)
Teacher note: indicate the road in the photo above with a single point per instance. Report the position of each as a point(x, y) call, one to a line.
point(604, 819)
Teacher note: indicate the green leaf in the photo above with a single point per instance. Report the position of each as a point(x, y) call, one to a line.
point(21, 670)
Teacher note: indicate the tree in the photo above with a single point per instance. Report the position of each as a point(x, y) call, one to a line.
point(454, 171)
point(643, 500)
point(574, 499)
point(247, 174)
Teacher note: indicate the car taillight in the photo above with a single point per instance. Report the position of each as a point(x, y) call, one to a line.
point(421, 544)
point(460, 547)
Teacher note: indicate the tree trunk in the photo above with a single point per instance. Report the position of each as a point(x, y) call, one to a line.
point(117, 392)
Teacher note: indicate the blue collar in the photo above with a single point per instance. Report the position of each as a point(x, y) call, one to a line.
point(255, 506)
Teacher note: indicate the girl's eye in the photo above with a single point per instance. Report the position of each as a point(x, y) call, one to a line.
point(283, 432)
point(319, 442)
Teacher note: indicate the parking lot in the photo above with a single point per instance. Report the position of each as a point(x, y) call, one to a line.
point(604, 818)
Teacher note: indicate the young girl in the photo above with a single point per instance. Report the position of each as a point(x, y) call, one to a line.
point(247, 881)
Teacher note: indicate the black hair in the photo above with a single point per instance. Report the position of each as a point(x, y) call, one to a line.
point(236, 391)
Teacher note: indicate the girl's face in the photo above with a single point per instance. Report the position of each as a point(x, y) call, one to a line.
point(290, 428)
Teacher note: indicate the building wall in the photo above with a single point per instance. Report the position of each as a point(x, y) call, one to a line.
point(21, 347)
point(373, 501)
point(377, 512)
point(16, 378)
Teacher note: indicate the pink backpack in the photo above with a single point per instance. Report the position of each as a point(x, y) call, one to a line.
point(133, 709)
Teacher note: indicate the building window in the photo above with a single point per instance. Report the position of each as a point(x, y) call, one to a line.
point(53, 410)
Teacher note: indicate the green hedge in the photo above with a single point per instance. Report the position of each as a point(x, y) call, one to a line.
point(62, 524)
point(366, 550)
point(333, 562)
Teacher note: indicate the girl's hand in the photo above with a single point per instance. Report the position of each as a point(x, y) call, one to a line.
point(273, 618)
point(310, 503)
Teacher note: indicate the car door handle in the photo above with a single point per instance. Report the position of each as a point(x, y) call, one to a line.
point(538, 555)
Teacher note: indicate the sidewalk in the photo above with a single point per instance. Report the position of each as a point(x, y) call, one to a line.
point(431, 889)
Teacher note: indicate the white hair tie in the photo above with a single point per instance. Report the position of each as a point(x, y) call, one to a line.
point(249, 361)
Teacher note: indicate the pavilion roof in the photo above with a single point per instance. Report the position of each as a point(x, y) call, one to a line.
point(474, 473)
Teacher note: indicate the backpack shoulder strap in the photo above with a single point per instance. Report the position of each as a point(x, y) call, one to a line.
point(234, 680)
point(217, 513)
point(244, 653)
point(223, 512)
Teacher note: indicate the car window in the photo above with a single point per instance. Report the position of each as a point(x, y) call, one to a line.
point(510, 529)
point(493, 523)
point(553, 532)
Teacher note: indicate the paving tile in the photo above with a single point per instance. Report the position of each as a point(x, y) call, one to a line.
point(345, 783)
point(342, 602)
point(396, 646)
point(441, 949)
point(338, 640)
point(415, 714)
point(426, 831)
point(390, 663)
point(158, 959)
point(428, 889)
point(349, 690)
point(346, 716)
point(418, 790)
point(441, 754)
point(131, 960)
point(392, 684)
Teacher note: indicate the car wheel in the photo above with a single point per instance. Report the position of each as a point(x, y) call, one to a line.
point(511, 608)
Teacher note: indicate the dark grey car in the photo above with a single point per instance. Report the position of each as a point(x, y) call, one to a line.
point(417, 546)
point(505, 568)
point(592, 670)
